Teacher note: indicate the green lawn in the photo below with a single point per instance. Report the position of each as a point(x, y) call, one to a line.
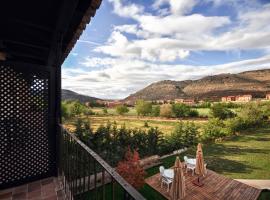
point(242, 157)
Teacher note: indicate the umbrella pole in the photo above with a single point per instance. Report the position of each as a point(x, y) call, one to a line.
point(198, 182)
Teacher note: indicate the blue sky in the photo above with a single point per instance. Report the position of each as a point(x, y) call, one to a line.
point(131, 44)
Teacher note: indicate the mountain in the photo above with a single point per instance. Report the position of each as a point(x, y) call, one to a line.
point(70, 95)
point(255, 82)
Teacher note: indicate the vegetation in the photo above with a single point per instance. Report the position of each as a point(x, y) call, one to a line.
point(122, 109)
point(131, 170)
point(166, 110)
point(222, 112)
point(143, 107)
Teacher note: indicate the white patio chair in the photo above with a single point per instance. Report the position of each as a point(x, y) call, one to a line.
point(186, 160)
point(167, 181)
point(161, 170)
point(205, 168)
point(190, 167)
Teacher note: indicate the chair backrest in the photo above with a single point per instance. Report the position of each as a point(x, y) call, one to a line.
point(185, 158)
point(161, 170)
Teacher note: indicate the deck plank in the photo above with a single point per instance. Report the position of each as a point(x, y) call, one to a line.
point(216, 187)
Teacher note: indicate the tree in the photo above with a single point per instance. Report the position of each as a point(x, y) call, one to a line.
point(156, 111)
point(105, 111)
point(184, 135)
point(219, 111)
point(122, 109)
point(143, 107)
point(154, 139)
point(166, 110)
point(77, 108)
point(131, 170)
point(180, 110)
point(65, 111)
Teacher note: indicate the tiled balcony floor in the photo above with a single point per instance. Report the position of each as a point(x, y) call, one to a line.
point(45, 189)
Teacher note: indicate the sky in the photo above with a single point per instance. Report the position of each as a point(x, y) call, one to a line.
point(131, 44)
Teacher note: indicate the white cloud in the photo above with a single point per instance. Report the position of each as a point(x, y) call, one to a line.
point(129, 10)
point(125, 76)
point(171, 37)
point(177, 7)
point(126, 64)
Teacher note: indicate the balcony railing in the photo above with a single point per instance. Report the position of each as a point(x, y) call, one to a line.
point(86, 175)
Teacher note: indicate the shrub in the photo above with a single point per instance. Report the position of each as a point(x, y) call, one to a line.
point(156, 111)
point(166, 110)
point(180, 110)
point(105, 111)
point(146, 124)
point(193, 113)
point(252, 115)
point(220, 111)
point(122, 109)
point(131, 170)
point(213, 129)
point(184, 135)
point(143, 108)
point(65, 111)
point(154, 139)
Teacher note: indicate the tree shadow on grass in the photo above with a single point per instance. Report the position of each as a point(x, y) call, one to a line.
point(214, 155)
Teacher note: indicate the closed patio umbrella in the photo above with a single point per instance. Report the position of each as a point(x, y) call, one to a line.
point(178, 189)
point(199, 168)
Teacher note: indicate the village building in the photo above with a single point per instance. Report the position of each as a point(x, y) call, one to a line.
point(244, 98)
point(185, 101)
point(228, 99)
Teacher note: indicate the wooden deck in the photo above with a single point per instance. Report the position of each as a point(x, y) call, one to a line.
point(216, 187)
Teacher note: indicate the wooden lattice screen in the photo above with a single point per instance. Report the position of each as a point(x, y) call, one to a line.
point(27, 136)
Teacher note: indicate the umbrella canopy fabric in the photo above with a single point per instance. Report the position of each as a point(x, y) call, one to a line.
point(178, 189)
point(200, 169)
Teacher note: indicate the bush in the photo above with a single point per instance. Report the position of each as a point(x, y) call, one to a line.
point(146, 124)
point(122, 109)
point(166, 110)
point(105, 111)
point(220, 111)
point(213, 129)
point(193, 113)
point(184, 135)
point(65, 111)
point(253, 115)
point(77, 108)
point(156, 111)
point(143, 108)
point(131, 170)
point(180, 110)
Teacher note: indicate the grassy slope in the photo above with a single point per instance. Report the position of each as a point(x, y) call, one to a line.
point(246, 156)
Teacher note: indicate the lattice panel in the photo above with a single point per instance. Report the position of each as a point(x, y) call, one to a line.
point(25, 146)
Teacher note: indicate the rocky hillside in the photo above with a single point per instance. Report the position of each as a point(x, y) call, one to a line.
point(256, 83)
point(70, 95)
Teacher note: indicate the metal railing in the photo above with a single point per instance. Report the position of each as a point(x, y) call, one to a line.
point(86, 175)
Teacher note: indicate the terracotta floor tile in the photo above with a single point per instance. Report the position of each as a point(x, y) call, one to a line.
point(5, 195)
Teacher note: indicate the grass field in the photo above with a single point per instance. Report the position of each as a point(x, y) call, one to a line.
point(164, 125)
point(243, 157)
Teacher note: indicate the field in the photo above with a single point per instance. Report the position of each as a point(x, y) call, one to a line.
point(164, 125)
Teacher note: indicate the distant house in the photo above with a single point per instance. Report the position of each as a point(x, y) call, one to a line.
point(160, 101)
point(244, 98)
point(112, 104)
point(185, 101)
point(228, 99)
point(268, 96)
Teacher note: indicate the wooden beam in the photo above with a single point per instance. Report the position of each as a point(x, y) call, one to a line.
point(26, 44)
point(65, 15)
